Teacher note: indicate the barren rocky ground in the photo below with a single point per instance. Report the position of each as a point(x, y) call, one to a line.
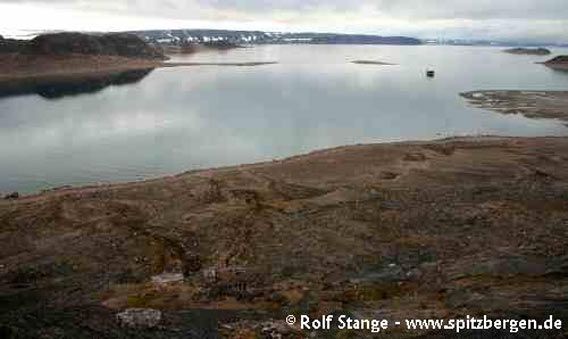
point(425, 229)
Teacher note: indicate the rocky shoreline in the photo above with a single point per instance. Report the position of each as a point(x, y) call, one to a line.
point(531, 104)
point(48, 68)
point(416, 229)
point(17, 69)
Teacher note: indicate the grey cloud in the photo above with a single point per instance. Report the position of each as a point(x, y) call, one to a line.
point(468, 18)
point(421, 9)
point(479, 9)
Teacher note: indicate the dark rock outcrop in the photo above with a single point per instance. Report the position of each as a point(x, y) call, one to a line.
point(114, 44)
point(12, 196)
point(11, 45)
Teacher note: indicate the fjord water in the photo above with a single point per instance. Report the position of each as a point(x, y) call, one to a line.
point(176, 119)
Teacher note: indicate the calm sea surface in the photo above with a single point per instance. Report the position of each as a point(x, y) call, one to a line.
point(143, 125)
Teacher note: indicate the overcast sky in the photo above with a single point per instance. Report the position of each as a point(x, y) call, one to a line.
point(541, 20)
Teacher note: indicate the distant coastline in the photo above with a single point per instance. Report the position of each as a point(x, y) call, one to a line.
point(528, 51)
point(180, 36)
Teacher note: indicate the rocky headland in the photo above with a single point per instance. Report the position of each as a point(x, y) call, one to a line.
point(531, 104)
point(110, 44)
point(74, 55)
point(559, 62)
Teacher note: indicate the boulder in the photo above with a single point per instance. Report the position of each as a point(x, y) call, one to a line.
point(12, 196)
point(276, 329)
point(139, 318)
point(167, 278)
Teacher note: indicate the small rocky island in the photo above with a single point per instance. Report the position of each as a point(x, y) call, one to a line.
point(372, 62)
point(528, 51)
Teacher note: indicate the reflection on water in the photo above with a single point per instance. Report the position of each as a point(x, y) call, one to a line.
point(58, 88)
point(184, 118)
point(559, 70)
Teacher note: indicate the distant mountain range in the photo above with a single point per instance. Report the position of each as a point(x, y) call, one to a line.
point(260, 37)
